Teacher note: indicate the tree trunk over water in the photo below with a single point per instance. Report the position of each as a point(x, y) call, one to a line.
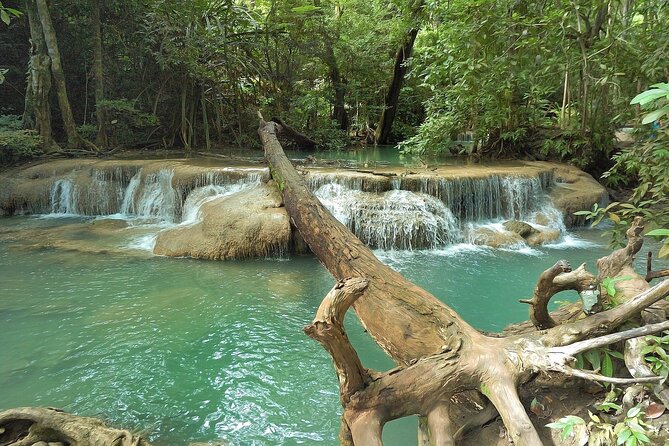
point(438, 353)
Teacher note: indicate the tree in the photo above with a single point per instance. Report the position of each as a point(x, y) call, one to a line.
point(392, 97)
point(438, 353)
point(102, 139)
point(74, 140)
point(38, 89)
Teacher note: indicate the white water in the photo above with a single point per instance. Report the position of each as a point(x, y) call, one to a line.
point(406, 214)
point(395, 219)
point(63, 197)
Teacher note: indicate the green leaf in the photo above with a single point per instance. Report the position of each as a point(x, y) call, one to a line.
point(664, 251)
point(593, 358)
point(607, 366)
point(633, 412)
point(659, 233)
point(4, 16)
point(654, 116)
point(648, 96)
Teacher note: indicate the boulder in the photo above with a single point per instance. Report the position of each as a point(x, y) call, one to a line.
point(520, 227)
point(542, 237)
point(494, 239)
point(248, 224)
point(575, 190)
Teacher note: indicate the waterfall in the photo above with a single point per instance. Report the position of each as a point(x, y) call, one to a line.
point(427, 212)
point(128, 204)
point(158, 198)
point(386, 210)
point(397, 219)
point(201, 195)
point(63, 197)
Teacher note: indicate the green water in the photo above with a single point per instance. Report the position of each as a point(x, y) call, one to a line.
point(197, 351)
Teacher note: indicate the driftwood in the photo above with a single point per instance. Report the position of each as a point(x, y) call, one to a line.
point(559, 277)
point(28, 426)
point(438, 354)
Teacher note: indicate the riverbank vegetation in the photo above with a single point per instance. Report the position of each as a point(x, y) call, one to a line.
point(548, 79)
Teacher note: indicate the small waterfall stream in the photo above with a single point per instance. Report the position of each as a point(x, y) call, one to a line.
point(432, 212)
point(385, 212)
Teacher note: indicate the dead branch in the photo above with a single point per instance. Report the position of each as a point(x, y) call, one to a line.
point(650, 274)
point(559, 277)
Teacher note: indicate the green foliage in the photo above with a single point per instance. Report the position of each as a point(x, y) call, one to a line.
point(662, 233)
point(632, 431)
point(566, 425)
point(656, 354)
point(6, 14)
point(17, 144)
point(658, 98)
point(536, 77)
point(128, 126)
point(599, 360)
point(609, 284)
point(645, 165)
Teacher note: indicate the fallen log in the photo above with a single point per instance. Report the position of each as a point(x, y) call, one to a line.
point(438, 353)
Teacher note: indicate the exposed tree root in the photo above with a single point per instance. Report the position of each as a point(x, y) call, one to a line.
point(28, 426)
point(439, 354)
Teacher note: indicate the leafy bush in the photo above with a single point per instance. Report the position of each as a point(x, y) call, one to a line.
point(17, 144)
point(127, 125)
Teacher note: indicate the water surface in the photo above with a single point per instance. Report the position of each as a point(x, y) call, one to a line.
point(190, 350)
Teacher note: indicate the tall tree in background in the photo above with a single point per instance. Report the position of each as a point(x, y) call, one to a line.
point(38, 86)
point(102, 139)
point(73, 138)
point(391, 101)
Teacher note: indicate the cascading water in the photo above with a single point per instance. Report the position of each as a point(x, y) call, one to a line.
point(431, 212)
point(385, 211)
point(128, 205)
point(158, 199)
point(397, 219)
point(63, 197)
point(201, 195)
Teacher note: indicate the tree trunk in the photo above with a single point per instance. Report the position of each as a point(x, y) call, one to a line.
point(38, 88)
point(440, 355)
point(102, 139)
point(339, 113)
point(73, 138)
point(389, 112)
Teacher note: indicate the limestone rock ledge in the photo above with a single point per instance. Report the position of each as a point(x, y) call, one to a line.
point(574, 191)
point(248, 224)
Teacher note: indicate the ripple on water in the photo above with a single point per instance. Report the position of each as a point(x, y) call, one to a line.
point(201, 351)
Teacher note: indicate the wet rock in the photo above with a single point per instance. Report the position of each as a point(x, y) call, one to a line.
point(494, 239)
point(248, 224)
point(542, 219)
point(576, 191)
point(520, 227)
point(542, 237)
